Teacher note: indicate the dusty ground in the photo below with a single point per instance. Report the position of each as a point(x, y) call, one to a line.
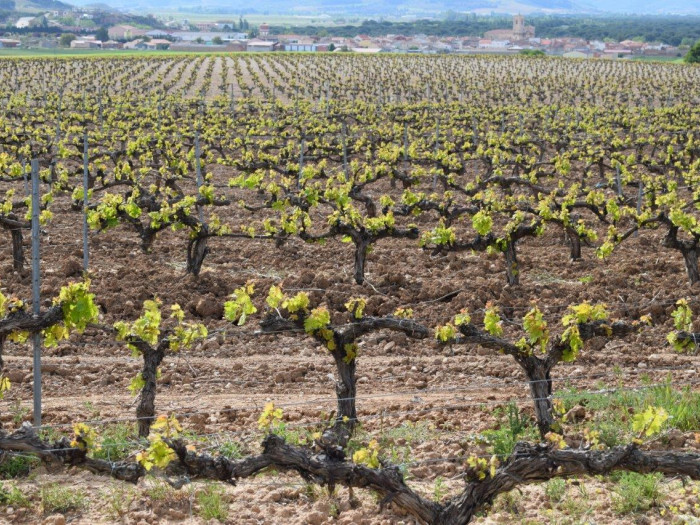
point(429, 404)
point(220, 387)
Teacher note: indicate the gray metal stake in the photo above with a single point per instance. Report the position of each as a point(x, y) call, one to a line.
point(405, 142)
point(301, 160)
point(437, 147)
point(345, 152)
point(640, 196)
point(36, 336)
point(198, 170)
point(86, 252)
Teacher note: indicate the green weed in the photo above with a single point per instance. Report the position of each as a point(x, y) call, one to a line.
point(15, 466)
point(212, 503)
point(411, 432)
point(574, 508)
point(439, 489)
point(119, 500)
point(50, 434)
point(12, 496)
point(159, 491)
point(312, 492)
point(18, 412)
point(231, 450)
point(508, 502)
point(636, 492)
point(57, 498)
point(555, 490)
point(613, 409)
point(514, 428)
point(118, 442)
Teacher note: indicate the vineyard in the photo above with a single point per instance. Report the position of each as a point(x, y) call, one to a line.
point(349, 289)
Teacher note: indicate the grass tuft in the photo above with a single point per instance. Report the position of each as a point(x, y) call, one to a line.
point(212, 503)
point(57, 498)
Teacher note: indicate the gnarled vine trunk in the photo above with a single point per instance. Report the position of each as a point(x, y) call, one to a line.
point(690, 257)
point(145, 411)
point(17, 250)
point(361, 249)
point(345, 390)
point(688, 248)
point(2, 345)
point(23, 321)
point(197, 250)
point(528, 464)
point(512, 271)
point(538, 374)
point(148, 237)
point(575, 242)
point(15, 227)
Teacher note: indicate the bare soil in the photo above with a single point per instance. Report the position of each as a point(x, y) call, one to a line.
point(221, 386)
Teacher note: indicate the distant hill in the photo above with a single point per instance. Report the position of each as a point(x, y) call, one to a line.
point(409, 7)
point(33, 5)
point(100, 5)
point(104, 15)
point(646, 7)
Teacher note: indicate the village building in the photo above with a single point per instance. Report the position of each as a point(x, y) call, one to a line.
point(157, 33)
point(86, 44)
point(228, 46)
point(8, 42)
point(519, 32)
point(367, 50)
point(301, 45)
point(158, 43)
point(124, 32)
point(261, 46)
point(24, 22)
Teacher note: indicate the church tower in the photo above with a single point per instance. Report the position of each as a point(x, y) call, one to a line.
point(519, 32)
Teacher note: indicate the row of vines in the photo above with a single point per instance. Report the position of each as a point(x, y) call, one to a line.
point(462, 161)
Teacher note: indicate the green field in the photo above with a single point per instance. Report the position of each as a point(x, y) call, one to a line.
point(667, 60)
point(62, 52)
point(39, 52)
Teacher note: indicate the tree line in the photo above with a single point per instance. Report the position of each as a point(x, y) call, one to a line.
point(673, 30)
